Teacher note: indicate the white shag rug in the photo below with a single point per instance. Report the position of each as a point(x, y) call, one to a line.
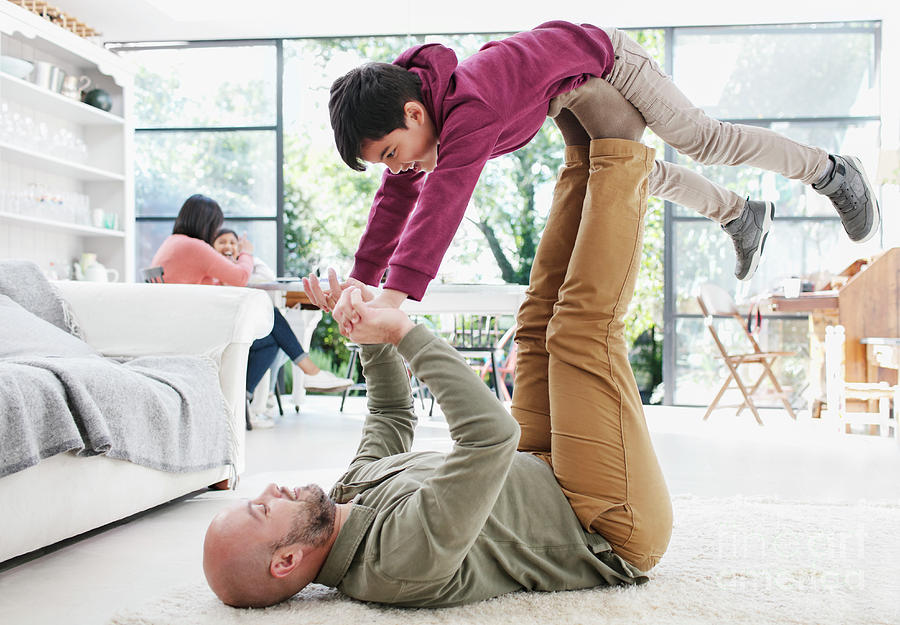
point(731, 561)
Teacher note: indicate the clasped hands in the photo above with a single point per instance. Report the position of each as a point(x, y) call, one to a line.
point(361, 316)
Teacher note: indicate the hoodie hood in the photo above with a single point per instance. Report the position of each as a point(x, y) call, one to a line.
point(434, 64)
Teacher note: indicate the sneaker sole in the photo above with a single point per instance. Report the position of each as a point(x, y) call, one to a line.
point(757, 253)
point(876, 222)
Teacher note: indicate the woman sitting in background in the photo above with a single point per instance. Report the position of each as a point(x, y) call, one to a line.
point(187, 257)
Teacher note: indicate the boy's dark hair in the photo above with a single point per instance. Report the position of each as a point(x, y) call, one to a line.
point(367, 103)
point(200, 217)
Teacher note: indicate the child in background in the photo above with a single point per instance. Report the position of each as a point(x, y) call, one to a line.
point(228, 245)
point(435, 122)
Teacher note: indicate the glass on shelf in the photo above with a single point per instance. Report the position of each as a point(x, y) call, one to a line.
point(21, 130)
point(40, 202)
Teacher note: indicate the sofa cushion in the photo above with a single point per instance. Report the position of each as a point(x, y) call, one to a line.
point(25, 335)
point(24, 283)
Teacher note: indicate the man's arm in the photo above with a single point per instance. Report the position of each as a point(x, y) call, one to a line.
point(437, 526)
point(391, 421)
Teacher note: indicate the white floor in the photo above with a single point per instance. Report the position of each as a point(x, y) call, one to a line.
point(88, 579)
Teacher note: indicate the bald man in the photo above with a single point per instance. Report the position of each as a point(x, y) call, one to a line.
point(566, 495)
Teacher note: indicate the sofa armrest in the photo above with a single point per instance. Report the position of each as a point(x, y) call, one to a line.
point(120, 319)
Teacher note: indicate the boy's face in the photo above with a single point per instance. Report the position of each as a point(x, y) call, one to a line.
point(414, 147)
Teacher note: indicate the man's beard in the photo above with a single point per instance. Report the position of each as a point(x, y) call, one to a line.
point(312, 523)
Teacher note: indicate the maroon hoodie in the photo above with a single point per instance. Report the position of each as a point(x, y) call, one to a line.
point(491, 104)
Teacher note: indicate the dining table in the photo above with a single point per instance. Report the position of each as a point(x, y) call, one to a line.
point(456, 298)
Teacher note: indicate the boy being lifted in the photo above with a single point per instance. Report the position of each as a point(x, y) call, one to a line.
point(435, 122)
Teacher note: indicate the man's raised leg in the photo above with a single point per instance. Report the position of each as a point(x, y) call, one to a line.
point(530, 401)
point(601, 450)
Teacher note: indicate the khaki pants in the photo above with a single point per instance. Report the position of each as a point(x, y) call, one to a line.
point(669, 114)
point(575, 396)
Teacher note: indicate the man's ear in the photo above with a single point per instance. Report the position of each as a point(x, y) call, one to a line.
point(284, 561)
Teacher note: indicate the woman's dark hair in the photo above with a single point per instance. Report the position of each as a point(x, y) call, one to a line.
point(225, 231)
point(367, 103)
point(200, 218)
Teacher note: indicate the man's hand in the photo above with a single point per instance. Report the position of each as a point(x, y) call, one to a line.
point(364, 323)
point(327, 299)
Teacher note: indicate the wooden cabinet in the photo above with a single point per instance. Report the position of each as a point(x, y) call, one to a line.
point(66, 169)
point(870, 307)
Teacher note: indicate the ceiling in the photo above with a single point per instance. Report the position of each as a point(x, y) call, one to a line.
point(184, 20)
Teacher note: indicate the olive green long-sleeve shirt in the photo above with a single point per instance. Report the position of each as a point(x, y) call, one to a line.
point(431, 529)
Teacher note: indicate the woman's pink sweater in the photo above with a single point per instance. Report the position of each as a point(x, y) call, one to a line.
point(186, 260)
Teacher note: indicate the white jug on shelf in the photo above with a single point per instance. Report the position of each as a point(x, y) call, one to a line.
point(95, 272)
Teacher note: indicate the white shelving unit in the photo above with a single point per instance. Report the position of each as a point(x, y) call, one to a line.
point(56, 104)
point(105, 175)
point(26, 157)
point(61, 226)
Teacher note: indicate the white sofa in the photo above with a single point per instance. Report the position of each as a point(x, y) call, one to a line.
point(65, 495)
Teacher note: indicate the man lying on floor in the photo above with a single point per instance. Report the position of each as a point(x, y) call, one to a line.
point(582, 503)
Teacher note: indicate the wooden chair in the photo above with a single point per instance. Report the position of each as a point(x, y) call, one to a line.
point(838, 391)
point(153, 275)
point(715, 301)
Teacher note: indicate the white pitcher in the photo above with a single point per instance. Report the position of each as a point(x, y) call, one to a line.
point(95, 272)
point(74, 86)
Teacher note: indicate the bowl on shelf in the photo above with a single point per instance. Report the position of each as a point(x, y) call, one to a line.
point(20, 68)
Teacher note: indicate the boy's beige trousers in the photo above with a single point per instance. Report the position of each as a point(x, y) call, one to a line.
point(688, 129)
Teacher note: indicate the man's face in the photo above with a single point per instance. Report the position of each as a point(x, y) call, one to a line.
point(285, 516)
point(414, 147)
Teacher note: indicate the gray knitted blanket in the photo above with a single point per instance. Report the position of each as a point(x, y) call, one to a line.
point(165, 412)
point(58, 395)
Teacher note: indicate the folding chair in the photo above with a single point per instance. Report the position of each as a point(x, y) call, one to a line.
point(715, 301)
point(153, 275)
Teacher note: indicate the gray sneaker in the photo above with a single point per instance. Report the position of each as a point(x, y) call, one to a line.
point(749, 232)
point(849, 190)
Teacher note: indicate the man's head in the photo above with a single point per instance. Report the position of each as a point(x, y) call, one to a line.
point(377, 116)
point(267, 549)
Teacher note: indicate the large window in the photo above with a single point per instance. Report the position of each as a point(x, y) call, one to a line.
point(207, 122)
point(246, 122)
point(816, 84)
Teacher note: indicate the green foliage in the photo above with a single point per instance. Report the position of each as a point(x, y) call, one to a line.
point(328, 341)
point(325, 208)
point(505, 204)
point(325, 360)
